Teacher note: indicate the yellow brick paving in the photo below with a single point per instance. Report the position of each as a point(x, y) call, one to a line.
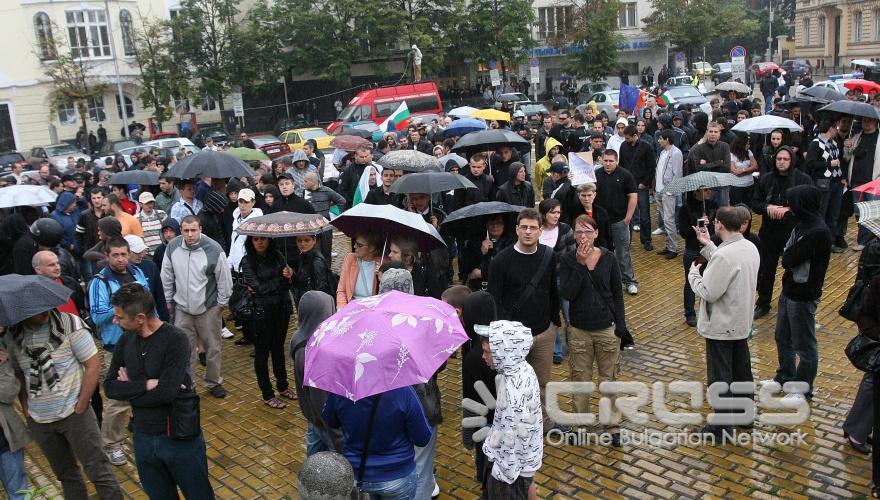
point(255, 451)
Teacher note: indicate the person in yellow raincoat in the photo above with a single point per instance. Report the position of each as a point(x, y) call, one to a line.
point(552, 147)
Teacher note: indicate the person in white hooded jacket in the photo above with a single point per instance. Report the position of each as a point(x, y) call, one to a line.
point(245, 211)
point(514, 446)
point(617, 139)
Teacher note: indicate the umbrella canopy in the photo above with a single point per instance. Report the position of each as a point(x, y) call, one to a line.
point(247, 154)
point(142, 177)
point(357, 132)
point(872, 187)
point(822, 94)
point(285, 225)
point(207, 163)
point(491, 114)
point(706, 180)
point(389, 221)
point(22, 195)
point(737, 87)
point(458, 159)
point(765, 124)
point(22, 297)
point(410, 160)
point(348, 142)
point(380, 343)
point(869, 215)
point(431, 182)
point(854, 108)
point(480, 209)
point(462, 112)
point(864, 85)
point(464, 126)
point(863, 62)
point(491, 139)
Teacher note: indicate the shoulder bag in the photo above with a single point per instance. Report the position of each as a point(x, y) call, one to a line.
point(533, 284)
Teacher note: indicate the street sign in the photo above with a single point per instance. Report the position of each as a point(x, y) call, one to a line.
point(534, 77)
point(738, 63)
point(679, 57)
point(737, 51)
point(237, 101)
point(493, 64)
point(533, 62)
point(495, 76)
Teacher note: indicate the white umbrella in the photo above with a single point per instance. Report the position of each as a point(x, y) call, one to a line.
point(765, 124)
point(863, 62)
point(23, 195)
point(461, 112)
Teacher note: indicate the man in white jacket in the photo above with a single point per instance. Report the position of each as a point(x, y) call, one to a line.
point(727, 292)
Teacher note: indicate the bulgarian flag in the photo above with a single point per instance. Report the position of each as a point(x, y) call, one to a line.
point(664, 100)
point(362, 188)
point(393, 122)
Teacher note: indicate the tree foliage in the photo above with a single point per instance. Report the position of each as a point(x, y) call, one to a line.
point(161, 78)
point(495, 29)
point(596, 48)
point(693, 24)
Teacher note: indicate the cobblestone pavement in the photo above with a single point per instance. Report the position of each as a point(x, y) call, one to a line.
point(255, 451)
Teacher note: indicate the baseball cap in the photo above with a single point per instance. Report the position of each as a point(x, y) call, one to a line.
point(558, 167)
point(146, 197)
point(67, 177)
point(246, 194)
point(285, 175)
point(135, 243)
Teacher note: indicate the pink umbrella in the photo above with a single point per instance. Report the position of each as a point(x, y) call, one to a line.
point(380, 343)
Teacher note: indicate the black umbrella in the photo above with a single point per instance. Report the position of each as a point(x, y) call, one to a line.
point(141, 177)
point(481, 209)
point(487, 140)
point(207, 163)
point(431, 182)
point(410, 160)
point(22, 297)
point(357, 132)
point(822, 94)
point(854, 108)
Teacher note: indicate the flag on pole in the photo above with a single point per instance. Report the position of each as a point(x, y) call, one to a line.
point(629, 97)
point(362, 188)
point(393, 122)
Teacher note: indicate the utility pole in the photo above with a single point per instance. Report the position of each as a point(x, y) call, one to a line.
point(770, 33)
point(121, 96)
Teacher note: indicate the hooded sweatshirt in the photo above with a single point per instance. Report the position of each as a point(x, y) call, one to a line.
point(196, 278)
point(520, 194)
point(515, 443)
point(67, 221)
point(159, 254)
point(808, 250)
point(772, 189)
point(211, 219)
point(616, 140)
point(299, 174)
point(543, 165)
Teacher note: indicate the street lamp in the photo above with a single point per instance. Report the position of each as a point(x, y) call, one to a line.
point(770, 33)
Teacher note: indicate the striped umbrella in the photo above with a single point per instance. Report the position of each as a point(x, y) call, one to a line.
point(869, 215)
point(706, 180)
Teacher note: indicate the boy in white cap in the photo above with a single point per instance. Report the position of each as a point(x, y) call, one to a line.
point(151, 221)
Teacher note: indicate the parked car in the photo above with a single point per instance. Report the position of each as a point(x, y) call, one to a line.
point(607, 101)
point(511, 99)
point(722, 72)
point(589, 88)
point(425, 118)
point(57, 154)
point(7, 159)
point(271, 145)
point(217, 132)
point(797, 67)
point(289, 124)
point(116, 146)
point(531, 110)
point(834, 85)
point(688, 95)
point(296, 138)
point(173, 142)
point(678, 81)
point(701, 69)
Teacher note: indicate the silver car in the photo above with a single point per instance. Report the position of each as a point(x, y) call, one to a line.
point(57, 154)
point(607, 101)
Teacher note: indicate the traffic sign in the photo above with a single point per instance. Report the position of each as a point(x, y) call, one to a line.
point(737, 51)
point(495, 77)
point(493, 64)
point(679, 57)
point(533, 62)
point(534, 77)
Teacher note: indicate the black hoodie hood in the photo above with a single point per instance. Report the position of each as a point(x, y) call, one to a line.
point(478, 309)
point(805, 201)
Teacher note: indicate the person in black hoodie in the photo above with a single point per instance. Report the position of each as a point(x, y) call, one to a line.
point(476, 173)
point(769, 198)
point(478, 251)
point(517, 190)
point(637, 157)
point(170, 230)
point(310, 269)
point(211, 219)
point(805, 260)
point(697, 207)
point(290, 202)
point(500, 164)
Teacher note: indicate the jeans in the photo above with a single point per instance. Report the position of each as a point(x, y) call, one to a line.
point(644, 210)
point(425, 466)
point(770, 250)
point(796, 338)
point(666, 210)
point(620, 238)
point(689, 296)
point(318, 440)
point(205, 327)
point(116, 414)
point(832, 199)
point(12, 473)
point(270, 329)
point(559, 346)
point(397, 489)
point(768, 102)
point(540, 358)
point(860, 419)
point(164, 464)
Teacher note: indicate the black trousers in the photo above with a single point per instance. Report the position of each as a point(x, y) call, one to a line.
point(728, 361)
point(269, 326)
point(875, 450)
point(771, 251)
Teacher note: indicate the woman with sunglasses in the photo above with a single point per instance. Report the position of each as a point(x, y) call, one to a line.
point(358, 277)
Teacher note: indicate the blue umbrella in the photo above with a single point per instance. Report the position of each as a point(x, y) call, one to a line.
point(464, 126)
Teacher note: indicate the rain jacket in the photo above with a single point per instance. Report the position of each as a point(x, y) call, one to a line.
point(196, 278)
point(808, 249)
point(67, 221)
point(515, 443)
point(772, 189)
point(516, 194)
point(101, 288)
point(543, 164)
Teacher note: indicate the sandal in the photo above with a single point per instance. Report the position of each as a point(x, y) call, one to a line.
point(287, 393)
point(275, 403)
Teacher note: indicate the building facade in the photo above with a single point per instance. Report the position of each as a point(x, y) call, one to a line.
point(96, 34)
point(830, 33)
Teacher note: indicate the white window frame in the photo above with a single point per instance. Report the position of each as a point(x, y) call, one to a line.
point(44, 36)
point(807, 31)
point(126, 26)
point(628, 16)
point(876, 24)
point(857, 26)
point(88, 33)
point(822, 21)
point(554, 20)
point(129, 103)
point(68, 114)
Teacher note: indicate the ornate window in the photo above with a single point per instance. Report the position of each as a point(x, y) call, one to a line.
point(126, 26)
point(45, 42)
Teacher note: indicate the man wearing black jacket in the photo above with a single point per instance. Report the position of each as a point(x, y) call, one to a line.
point(348, 180)
point(638, 157)
point(805, 261)
point(290, 202)
point(476, 173)
point(769, 199)
point(148, 370)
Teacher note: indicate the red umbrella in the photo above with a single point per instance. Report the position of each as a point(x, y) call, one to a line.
point(872, 187)
point(866, 86)
point(348, 142)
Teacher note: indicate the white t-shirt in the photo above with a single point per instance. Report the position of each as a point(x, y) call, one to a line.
point(549, 237)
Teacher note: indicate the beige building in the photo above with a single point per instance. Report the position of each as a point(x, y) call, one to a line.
point(84, 27)
point(832, 32)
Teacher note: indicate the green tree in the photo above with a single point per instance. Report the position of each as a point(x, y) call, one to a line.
point(161, 78)
point(492, 29)
point(596, 48)
point(693, 24)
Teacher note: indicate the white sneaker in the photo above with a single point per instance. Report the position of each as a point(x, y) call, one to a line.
point(117, 457)
point(632, 289)
point(658, 232)
point(436, 492)
point(226, 334)
point(636, 228)
point(334, 254)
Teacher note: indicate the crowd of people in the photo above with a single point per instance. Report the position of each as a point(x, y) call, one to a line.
point(153, 270)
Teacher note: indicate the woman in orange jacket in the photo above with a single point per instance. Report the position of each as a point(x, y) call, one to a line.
point(358, 278)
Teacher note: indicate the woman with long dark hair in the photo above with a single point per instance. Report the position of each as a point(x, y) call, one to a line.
point(742, 164)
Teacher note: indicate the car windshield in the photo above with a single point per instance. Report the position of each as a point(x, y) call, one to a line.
point(119, 146)
point(312, 134)
point(530, 109)
point(724, 66)
point(679, 92)
point(355, 114)
point(216, 132)
point(7, 158)
point(64, 149)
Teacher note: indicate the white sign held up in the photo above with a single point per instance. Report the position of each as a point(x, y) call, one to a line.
point(581, 168)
